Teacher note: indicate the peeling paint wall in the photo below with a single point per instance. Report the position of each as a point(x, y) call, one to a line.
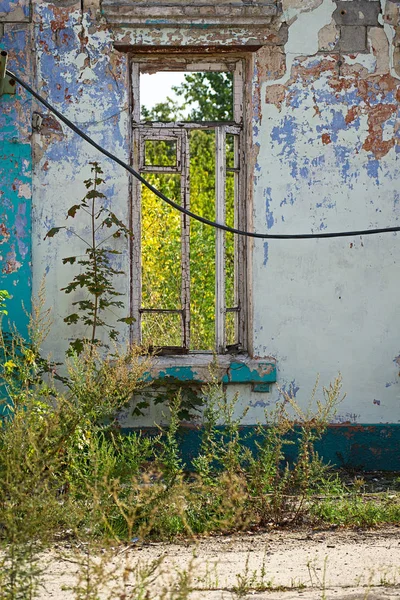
point(16, 166)
point(323, 105)
point(327, 133)
point(79, 73)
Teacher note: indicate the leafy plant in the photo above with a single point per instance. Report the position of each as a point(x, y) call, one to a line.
point(4, 295)
point(97, 270)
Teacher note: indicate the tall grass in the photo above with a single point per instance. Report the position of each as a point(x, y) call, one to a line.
point(66, 470)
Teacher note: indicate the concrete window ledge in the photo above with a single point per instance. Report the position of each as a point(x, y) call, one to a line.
point(202, 368)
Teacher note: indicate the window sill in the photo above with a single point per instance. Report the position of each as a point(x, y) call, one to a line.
point(200, 369)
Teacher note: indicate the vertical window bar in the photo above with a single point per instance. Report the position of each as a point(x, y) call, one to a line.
point(220, 191)
point(185, 200)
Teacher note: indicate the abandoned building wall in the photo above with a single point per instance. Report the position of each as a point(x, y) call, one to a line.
point(324, 117)
point(327, 135)
point(79, 72)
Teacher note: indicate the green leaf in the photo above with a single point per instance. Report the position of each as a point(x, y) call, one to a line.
point(73, 210)
point(53, 232)
point(127, 320)
point(94, 194)
point(76, 347)
point(71, 319)
point(69, 259)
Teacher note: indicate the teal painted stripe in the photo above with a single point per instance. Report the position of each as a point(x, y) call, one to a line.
point(16, 228)
point(15, 187)
point(240, 372)
point(257, 372)
point(365, 447)
point(179, 374)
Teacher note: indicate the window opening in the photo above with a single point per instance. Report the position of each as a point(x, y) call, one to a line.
point(186, 289)
point(199, 96)
point(160, 153)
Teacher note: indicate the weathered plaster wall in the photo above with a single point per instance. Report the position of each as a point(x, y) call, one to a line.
point(79, 73)
point(327, 135)
point(16, 169)
point(324, 116)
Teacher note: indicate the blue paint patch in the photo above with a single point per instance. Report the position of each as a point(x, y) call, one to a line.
point(342, 154)
point(372, 167)
point(260, 403)
point(318, 161)
point(293, 168)
point(297, 98)
point(269, 216)
point(285, 135)
point(266, 250)
point(338, 121)
point(290, 389)
point(304, 172)
point(326, 203)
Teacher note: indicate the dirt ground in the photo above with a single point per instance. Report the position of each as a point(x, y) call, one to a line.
point(311, 563)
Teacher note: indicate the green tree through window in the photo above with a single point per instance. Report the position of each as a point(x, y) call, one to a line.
point(201, 97)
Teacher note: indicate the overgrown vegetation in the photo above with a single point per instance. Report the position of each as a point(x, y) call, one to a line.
point(4, 295)
point(95, 277)
point(67, 472)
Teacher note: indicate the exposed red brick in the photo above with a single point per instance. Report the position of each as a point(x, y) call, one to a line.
point(377, 115)
point(326, 138)
point(352, 114)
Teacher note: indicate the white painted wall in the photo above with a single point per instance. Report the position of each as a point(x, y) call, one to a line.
point(318, 306)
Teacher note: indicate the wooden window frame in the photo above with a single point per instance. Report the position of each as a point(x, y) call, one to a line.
point(143, 130)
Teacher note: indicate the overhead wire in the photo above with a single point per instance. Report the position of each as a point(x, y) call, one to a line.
point(178, 207)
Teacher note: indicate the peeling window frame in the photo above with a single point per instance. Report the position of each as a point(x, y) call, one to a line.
point(142, 131)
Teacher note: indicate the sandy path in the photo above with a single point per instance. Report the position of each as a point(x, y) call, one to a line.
point(356, 565)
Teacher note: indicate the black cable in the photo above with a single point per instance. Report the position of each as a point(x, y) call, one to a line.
point(185, 211)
